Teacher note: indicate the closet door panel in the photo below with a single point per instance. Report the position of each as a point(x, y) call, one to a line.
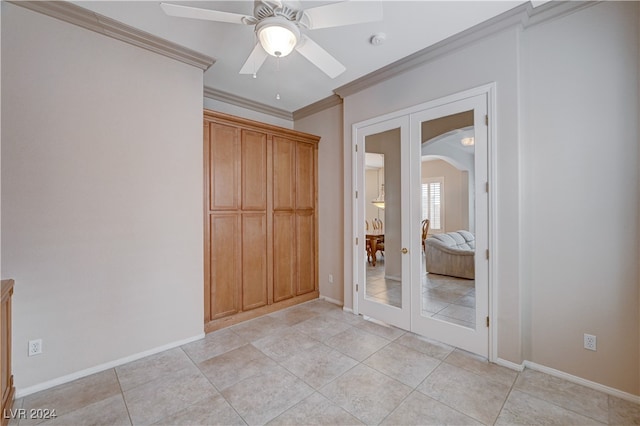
point(224, 167)
point(284, 151)
point(305, 251)
point(225, 269)
point(254, 260)
point(254, 170)
point(305, 176)
point(284, 255)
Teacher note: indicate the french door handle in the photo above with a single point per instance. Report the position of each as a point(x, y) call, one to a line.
point(404, 250)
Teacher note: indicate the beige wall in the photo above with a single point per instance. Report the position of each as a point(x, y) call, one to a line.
point(101, 197)
point(373, 179)
point(456, 193)
point(554, 278)
point(581, 192)
point(328, 125)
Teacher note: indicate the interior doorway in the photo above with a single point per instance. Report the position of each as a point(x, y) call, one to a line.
point(436, 286)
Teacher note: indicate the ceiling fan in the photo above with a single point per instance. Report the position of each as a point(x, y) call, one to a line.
point(277, 25)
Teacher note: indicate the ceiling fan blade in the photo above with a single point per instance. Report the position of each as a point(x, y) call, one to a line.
point(254, 61)
point(206, 14)
point(343, 13)
point(319, 57)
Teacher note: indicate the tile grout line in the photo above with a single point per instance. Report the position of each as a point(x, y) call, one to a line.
point(212, 384)
point(126, 406)
point(415, 388)
point(507, 398)
point(563, 407)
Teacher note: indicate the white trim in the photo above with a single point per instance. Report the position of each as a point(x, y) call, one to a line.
point(569, 378)
point(349, 310)
point(469, 93)
point(510, 365)
point(492, 204)
point(355, 270)
point(584, 382)
point(321, 105)
point(84, 18)
point(102, 367)
point(489, 91)
point(505, 20)
point(330, 300)
point(219, 95)
point(523, 15)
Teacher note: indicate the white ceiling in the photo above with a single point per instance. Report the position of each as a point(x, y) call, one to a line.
point(409, 26)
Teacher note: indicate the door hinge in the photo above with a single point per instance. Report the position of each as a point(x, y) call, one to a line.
point(486, 187)
point(356, 194)
point(487, 254)
point(487, 322)
point(356, 148)
point(357, 288)
point(486, 120)
point(356, 240)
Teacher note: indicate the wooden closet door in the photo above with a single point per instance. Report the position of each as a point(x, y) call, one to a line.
point(305, 252)
point(305, 177)
point(254, 171)
point(305, 218)
point(224, 167)
point(254, 220)
point(225, 264)
point(284, 176)
point(284, 219)
point(260, 221)
point(254, 260)
point(284, 255)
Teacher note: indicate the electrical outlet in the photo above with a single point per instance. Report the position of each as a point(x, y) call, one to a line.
point(330, 278)
point(590, 342)
point(35, 347)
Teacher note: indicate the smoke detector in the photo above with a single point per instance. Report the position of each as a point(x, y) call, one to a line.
point(378, 39)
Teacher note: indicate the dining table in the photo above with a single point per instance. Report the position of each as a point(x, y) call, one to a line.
point(373, 237)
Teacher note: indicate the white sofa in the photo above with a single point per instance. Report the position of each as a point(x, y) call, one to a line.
point(451, 254)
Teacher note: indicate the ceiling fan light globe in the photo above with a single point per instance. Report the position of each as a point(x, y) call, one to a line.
point(278, 37)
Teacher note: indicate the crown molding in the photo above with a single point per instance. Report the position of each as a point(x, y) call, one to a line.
point(321, 105)
point(232, 99)
point(553, 10)
point(524, 16)
point(457, 41)
point(76, 15)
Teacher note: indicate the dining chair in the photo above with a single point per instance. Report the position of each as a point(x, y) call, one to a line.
point(425, 231)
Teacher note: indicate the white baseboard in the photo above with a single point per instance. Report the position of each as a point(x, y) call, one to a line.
point(584, 382)
point(569, 378)
point(330, 300)
point(349, 310)
point(510, 365)
point(102, 367)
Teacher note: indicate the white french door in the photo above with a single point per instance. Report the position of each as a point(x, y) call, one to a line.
point(392, 285)
point(452, 309)
point(383, 277)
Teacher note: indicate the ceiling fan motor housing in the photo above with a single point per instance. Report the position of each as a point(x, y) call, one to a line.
point(266, 9)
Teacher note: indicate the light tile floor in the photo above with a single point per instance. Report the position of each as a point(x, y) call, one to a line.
point(315, 364)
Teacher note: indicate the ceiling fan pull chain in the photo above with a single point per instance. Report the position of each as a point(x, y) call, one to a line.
point(277, 77)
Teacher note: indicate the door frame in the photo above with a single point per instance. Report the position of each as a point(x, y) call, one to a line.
point(489, 90)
